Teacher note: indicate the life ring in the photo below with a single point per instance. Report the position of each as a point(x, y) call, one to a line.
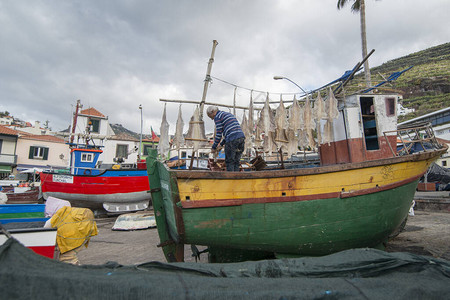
point(87, 172)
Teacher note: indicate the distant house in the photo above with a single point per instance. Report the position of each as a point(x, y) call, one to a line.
point(42, 152)
point(6, 120)
point(119, 144)
point(402, 111)
point(440, 120)
point(8, 146)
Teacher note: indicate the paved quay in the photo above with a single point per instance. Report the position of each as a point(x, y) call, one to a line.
point(426, 233)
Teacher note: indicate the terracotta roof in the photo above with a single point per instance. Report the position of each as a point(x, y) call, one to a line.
point(8, 131)
point(92, 112)
point(47, 138)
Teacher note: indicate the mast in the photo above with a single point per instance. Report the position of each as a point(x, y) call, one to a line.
point(74, 124)
point(207, 78)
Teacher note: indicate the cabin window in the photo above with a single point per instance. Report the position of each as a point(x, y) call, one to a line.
point(122, 151)
point(87, 157)
point(369, 123)
point(38, 153)
point(390, 106)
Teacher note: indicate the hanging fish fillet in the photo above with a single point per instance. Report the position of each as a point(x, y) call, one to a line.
point(246, 130)
point(196, 133)
point(266, 125)
point(319, 114)
point(295, 116)
point(178, 139)
point(251, 122)
point(309, 124)
point(332, 113)
point(281, 125)
point(163, 146)
point(295, 124)
point(292, 146)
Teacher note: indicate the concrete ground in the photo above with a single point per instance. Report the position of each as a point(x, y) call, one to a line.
point(426, 233)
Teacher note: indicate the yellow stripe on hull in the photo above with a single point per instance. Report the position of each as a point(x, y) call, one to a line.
point(200, 189)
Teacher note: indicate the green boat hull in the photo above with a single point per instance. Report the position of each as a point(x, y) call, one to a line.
point(314, 227)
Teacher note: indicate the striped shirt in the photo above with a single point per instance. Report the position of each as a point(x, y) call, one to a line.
point(227, 126)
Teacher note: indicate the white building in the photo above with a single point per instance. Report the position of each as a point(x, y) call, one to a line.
point(91, 124)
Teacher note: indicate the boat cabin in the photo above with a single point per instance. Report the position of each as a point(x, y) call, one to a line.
point(83, 161)
point(365, 130)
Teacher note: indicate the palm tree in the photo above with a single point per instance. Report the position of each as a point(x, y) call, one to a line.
point(359, 6)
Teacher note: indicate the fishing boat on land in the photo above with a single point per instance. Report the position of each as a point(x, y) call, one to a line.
point(357, 197)
point(25, 223)
point(20, 195)
point(115, 189)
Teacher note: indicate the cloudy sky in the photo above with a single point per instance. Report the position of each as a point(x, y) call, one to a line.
point(115, 55)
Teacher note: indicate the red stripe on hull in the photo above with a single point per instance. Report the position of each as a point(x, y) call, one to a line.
point(47, 251)
point(98, 185)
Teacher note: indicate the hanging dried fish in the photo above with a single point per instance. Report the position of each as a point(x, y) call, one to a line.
point(295, 124)
point(281, 125)
point(251, 122)
point(178, 139)
point(266, 125)
point(332, 112)
point(295, 116)
point(319, 114)
point(246, 130)
point(163, 146)
point(196, 133)
point(309, 124)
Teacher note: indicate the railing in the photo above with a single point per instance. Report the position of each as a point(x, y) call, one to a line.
point(8, 158)
point(413, 135)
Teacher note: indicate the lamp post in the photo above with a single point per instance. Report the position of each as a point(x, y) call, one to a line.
point(140, 136)
point(281, 77)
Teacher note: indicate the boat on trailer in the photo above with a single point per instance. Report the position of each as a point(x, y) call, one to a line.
point(357, 197)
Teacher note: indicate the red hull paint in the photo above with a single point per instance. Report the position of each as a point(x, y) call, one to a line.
point(96, 185)
point(47, 251)
point(354, 150)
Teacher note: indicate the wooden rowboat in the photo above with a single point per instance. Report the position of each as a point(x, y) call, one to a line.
point(359, 195)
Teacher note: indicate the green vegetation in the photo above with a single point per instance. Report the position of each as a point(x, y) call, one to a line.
point(425, 87)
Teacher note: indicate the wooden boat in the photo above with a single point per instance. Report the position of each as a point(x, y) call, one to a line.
point(358, 196)
point(19, 195)
point(115, 190)
point(25, 222)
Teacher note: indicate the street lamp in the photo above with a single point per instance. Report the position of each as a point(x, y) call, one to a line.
point(140, 136)
point(281, 77)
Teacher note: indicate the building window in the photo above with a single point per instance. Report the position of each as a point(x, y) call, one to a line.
point(444, 163)
point(38, 153)
point(95, 125)
point(122, 151)
point(390, 106)
point(1, 143)
point(87, 157)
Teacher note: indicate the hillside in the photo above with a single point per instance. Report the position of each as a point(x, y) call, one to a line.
point(425, 87)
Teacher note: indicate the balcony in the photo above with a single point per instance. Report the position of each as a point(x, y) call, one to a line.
point(8, 159)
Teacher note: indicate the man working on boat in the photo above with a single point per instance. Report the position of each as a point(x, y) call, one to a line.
point(228, 133)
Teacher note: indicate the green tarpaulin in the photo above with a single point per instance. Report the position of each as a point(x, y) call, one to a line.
point(351, 274)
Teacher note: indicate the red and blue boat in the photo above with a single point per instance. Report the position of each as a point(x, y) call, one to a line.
point(25, 223)
point(116, 189)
